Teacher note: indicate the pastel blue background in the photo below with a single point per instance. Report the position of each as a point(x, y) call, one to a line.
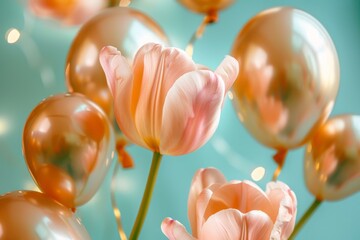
point(33, 69)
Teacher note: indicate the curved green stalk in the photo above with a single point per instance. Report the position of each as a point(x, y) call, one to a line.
point(305, 218)
point(144, 206)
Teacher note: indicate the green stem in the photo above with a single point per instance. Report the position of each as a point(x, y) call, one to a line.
point(144, 206)
point(305, 218)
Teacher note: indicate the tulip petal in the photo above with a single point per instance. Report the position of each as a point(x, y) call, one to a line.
point(203, 178)
point(174, 230)
point(285, 201)
point(243, 196)
point(191, 112)
point(156, 68)
point(228, 70)
point(115, 66)
point(119, 78)
point(232, 224)
point(201, 206)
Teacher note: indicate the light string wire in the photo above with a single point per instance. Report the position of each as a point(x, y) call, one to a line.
point(115, 208)
point(212, 17)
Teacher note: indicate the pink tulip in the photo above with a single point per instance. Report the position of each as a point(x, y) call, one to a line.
point(218, 209)
point(69, 12)
point(163, 101)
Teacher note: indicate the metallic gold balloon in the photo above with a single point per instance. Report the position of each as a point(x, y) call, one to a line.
point(332, 159)
point(206, 6)
point(33, 215)
point(68, 144)
point(124, 28)
point(288, 79)
point(68, 12)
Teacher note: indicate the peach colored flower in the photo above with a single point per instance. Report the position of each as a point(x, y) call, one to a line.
point(164, 102)
point(69, 12)
point(218, 209)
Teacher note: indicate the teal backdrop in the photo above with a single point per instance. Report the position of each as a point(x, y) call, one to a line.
point(33, 68)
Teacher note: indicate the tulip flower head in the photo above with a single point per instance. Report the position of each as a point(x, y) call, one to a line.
point(223, 210)
point(163, 101)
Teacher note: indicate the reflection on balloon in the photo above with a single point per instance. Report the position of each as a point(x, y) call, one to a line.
point(332, 159)
point(206, 6)
point(124, 28)
point(33, 215)
point(69, 12)
point(68, 144)
point(288, 79)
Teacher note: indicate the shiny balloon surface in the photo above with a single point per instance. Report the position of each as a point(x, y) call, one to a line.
point(33, 215)
point(289, 77)
point(124, 28)
point(206, 6)
point(332, 159)
point(68, 12)
point(68, 144)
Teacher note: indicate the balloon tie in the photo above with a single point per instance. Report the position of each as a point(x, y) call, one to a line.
point(279, 158)
point(210, 18)
point(123, 156)
point(116, 210)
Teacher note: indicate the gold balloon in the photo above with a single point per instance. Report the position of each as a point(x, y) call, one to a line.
point(332, 159)
point(124, 28)
point(206, 6)
point(68, 144)
point(288, 79)
point(33, 215)
point(68, 12)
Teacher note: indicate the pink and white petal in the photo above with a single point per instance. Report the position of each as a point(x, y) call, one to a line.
point(156, 70)
point(201, 206)
point(276, 192)
point(244, 196)
point(115, 66)
point(119, 78)
point(174, 230)
point(228, 70)
point(202, 67)
point(202, 179)
point(284, 200)
point(191, 112)
point(232, 224)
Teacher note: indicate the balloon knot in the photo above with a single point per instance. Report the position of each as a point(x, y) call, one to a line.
point(280, 156)
point(124, 157)
point(212, 16)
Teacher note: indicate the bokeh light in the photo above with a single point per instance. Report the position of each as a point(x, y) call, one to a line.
point(258, 173)
point(12, 35)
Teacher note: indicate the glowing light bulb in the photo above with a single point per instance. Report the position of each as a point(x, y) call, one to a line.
point(258, 173)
